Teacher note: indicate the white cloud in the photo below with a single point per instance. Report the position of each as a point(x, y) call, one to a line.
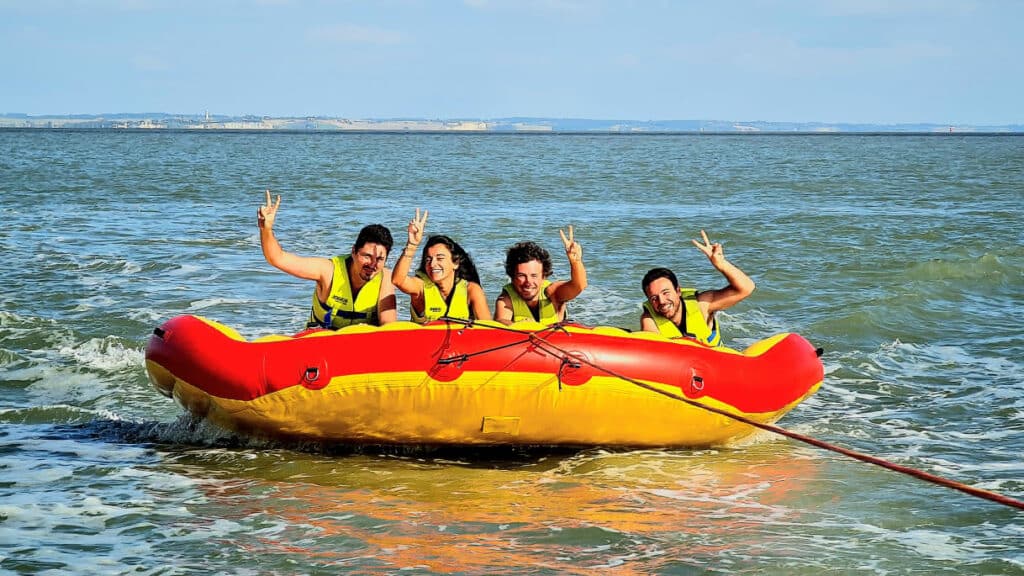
point(352, 34)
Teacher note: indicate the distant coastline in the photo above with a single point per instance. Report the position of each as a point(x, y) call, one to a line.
point(162, 121)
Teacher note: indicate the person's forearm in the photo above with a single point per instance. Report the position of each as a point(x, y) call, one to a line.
point(736, 277)
point(571, 288)
point(272, 250)
point(577, 276)
point(401, 272)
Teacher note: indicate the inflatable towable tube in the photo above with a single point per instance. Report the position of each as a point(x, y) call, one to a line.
point(479, 384)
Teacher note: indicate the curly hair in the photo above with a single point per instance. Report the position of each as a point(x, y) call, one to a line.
point(522, 253)
point(374, 234)
point(466, 270)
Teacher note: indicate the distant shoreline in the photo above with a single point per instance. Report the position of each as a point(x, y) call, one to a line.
point(160, 122)
point(513, 133)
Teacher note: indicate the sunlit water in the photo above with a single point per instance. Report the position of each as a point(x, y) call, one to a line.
point(902, 256)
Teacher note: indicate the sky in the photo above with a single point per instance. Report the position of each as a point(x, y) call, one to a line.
point(956, 62)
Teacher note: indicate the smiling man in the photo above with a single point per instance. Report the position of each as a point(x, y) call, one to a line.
point(683, 312)
point(350, 289)
point(530, 295)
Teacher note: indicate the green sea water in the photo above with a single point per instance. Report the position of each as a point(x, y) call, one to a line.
point(901, 255)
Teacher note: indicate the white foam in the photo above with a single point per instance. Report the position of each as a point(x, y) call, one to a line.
point(757, 437)
point(59, 386)
point(7, 318)
point(108, 354)
point(187, 429)
point(989, 435)
point(599, 306)
point(146, 315)
point(745, 326)
point(98, 301)
point(205, 303)
point(909, 360)
point(47, 331)
point(122, 265)
point(932, 544)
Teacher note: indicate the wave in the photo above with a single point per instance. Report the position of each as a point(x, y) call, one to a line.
point(206, 303)
point(988, 268)
point(108, 354)
point(929, 406)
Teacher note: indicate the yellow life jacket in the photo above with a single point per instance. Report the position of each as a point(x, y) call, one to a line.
point(694, 326)
point(546, 313)
point(434, 306)
point(341, 309)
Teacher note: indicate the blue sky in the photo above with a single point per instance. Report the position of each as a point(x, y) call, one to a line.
point(859, 61)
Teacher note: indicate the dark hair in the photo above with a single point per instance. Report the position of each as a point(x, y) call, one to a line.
point(522, 253)
point(466, 269)
point(374, 234)
point(655, 273)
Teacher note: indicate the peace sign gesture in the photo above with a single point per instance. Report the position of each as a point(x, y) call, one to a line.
point(265, 214)
point(572, 248)
point(416, 227)
point(714, 251)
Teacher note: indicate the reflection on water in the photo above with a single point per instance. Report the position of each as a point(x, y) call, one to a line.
point(567, 513)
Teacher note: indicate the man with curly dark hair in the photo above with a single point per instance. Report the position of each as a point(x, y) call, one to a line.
point(530, 295)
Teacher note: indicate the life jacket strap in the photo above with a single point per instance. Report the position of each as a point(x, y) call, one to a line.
point(329, 316)
point(347, 314)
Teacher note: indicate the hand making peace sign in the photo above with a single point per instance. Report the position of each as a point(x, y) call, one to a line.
point(416, 227)
point(573, 250)
point(714, 252)
point(265, 214)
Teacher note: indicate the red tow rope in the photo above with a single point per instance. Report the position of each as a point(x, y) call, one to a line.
point(976, 492)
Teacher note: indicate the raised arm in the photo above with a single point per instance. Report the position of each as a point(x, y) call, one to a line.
point(740, 285)
point(309, 268)
point(400, 277)
point(562, 292)
point(387, 304)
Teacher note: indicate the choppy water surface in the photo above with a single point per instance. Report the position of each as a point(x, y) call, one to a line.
point(902, 256)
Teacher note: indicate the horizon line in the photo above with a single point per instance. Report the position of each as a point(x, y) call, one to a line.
point(207, 115)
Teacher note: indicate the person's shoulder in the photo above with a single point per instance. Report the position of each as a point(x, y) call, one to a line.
point(327, 263)
point(704, 295)
point(333, 262)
